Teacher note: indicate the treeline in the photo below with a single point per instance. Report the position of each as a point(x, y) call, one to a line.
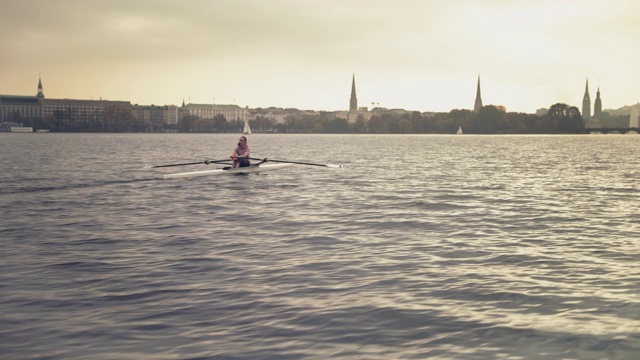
point(491, 119)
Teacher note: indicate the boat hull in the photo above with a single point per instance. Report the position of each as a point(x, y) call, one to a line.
point(242, 170)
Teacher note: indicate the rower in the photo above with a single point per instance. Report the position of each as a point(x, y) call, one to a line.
point(241, 154)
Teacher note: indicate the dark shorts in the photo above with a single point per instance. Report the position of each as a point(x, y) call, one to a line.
point(244, 162)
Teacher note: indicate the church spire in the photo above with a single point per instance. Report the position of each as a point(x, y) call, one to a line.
point(478, 105)
point(586, 102)
point(597, 106)
point(40, 92)
point(353, 103)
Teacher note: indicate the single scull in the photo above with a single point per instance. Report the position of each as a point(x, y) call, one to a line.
point(241, 170)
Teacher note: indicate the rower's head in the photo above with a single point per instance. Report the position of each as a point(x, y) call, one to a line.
point(242, 141)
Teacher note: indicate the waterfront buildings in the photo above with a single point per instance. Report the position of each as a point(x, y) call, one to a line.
point(156, 117)
point(209, 111)
point(626, 117)
point(94, 115)
point(63, 112)
point(15, 108)
point(71, 111)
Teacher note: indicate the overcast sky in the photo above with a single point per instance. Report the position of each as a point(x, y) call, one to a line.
point(420, 55)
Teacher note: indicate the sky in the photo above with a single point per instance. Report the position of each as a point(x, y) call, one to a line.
point(421, 55)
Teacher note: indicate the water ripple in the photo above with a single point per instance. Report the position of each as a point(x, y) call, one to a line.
point(475, 248)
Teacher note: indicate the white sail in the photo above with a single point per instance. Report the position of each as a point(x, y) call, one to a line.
point(247, 129)
point(459, 130)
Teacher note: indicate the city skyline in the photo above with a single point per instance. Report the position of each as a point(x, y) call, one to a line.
point(529, 55)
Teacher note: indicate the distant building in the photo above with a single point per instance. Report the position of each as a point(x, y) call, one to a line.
point(40, 91)
point(155, 117)
point(478, 104)
point(170, 115)
point(634, 117)
point(15, 107)
point(353, 116)
point(353, 101)
point(542, 112)
point(597, 106)
point(209, 111)
point(354, 112)
point(625, 117)
point(66, 111)
point(586, 103)
point(70, 111)
point(277, 115)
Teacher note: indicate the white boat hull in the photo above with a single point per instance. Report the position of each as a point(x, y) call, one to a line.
point(242, 170)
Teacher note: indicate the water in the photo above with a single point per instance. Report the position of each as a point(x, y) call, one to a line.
point(447, 247)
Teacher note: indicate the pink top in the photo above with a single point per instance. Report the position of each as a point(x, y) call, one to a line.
point(242, 152)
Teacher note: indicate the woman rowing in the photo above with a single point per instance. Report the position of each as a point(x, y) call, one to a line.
point(240, 155)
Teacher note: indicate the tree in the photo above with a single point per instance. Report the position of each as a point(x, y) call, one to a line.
point(118, 119)
point(377, 125)
point(443, 123)
point(337, 126)
point(263, 123)
point(520, 123)
point(461, 118)
point(203, 125)
point(220, 123)
point(567, 117)
point(360, 126)
point(491, 119)
point(419, 124)
point(186, 123)
point(546, 125)
point(235, 125)
point(405, 126)
point(529, 121)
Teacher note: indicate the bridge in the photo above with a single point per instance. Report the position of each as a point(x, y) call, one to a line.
point(619, 130)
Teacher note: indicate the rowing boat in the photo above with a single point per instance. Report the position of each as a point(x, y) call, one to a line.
point(240, 170)
point(259, 167)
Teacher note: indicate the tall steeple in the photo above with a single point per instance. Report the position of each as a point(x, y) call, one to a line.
point(586, 102)
point(478, 105)
point(353, 103)
point(597, 106)
point(40, 92)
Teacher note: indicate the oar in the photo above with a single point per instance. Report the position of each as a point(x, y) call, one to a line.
point(297, 162)
point(207, 162)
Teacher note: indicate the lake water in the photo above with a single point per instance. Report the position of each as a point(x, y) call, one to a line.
point(422, 246)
